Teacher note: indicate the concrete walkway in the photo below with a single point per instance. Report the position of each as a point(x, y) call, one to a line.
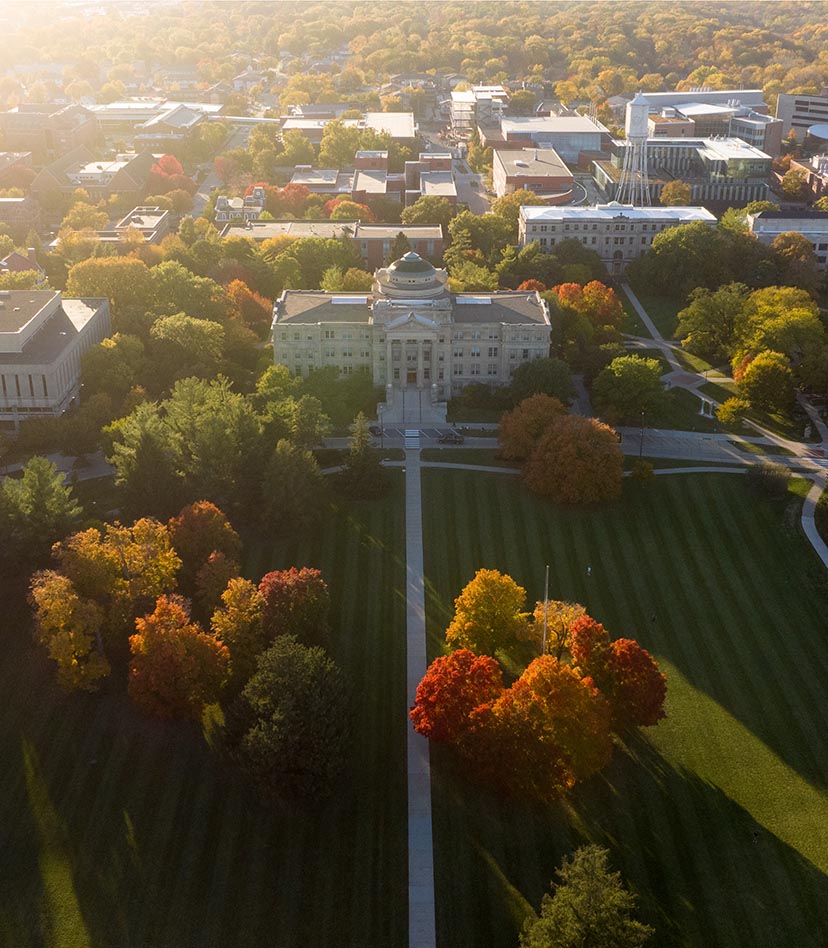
point(808, 523)
point(421, 923)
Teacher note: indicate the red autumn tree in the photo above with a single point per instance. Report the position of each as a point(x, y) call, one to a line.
point(547, 732)
point(251, 308)
point(521, 428)
point(176, 667)
point(167, 165)
point(289, 202)
point(640, 686)
point(577, 460)
point(624, 672)
point(591, 652)
point(452, 688)
point(199, 530)
point(296, 602)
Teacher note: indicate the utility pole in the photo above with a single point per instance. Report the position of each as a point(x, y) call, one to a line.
point(545, 610)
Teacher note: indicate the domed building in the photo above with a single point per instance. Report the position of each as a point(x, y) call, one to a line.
point(416, 338)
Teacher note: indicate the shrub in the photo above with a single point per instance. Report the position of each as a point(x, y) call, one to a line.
point(768, 478)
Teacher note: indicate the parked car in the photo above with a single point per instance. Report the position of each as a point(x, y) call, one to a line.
point(451, 437)
point(375, 430)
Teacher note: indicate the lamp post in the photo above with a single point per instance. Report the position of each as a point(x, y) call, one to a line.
point(641, 441)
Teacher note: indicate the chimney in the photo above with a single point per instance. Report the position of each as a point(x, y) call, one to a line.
point(30, 253)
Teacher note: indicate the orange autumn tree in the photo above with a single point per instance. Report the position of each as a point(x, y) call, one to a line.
point(576, 461)
point(520, 429)
point(452, 688)
point(198, 531)
point(595, 300)
point(176, 667)
point(546, 733)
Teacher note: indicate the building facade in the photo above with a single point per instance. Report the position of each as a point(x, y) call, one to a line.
point(799, 112)
point(374, 241)
point(813, 225)
point(539, 169)
point(42, 340)
point(411, 331)
point(618, 233)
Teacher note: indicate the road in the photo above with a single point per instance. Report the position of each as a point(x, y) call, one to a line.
point(236, 139)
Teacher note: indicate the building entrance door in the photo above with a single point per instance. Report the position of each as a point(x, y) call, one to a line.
point(411, 377)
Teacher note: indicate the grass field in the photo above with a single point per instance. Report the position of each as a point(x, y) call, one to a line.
point(718, 817)
point(121, 832)
point(663, 311)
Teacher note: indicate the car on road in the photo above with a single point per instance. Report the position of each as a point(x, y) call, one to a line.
point(451, 437)
point(375, 430)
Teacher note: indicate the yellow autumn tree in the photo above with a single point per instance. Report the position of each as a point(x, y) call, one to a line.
point(68, 626)
point(559, 618)
point(488, 614)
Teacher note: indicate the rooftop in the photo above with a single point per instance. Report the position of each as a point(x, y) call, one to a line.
point(57, 333)
point(616, 211)
point(264, 230)
point(20, 307)
point(438, 183)
point(532, 161)
point(372, 182)
point(558, 124)
point(692, 109)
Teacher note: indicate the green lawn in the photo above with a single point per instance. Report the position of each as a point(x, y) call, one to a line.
point(118, 831)
point(663, 311)
point(633, 323)
point(718, 817)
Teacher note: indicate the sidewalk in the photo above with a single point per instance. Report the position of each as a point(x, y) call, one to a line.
point(421, 920)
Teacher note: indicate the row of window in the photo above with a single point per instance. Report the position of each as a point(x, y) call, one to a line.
point(11, 386)
point(553, 228)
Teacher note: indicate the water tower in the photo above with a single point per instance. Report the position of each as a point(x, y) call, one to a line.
point(633, 187)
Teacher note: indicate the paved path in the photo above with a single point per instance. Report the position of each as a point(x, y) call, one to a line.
point(808, 524)
point(421, 924)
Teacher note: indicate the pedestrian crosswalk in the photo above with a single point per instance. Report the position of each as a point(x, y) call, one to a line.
point(412, 439)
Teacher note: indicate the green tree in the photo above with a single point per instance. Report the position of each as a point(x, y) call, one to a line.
point(797, 261)
point(782, 318)
point(542, 377)
point(36, 509)
point(113, 366)
point(508, 207)
point(185, 346)
point(292, 490)
point(362, 474)
point(589, 906)
point(767, 382)
point(707, 325)
point(794, 185)
point(628, 386)
point(293, 727)
point(125, 281)
point(428, 209)
point(400, 246)
point(470, 277)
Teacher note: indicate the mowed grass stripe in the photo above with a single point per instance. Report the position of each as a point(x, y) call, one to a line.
point(695, 551)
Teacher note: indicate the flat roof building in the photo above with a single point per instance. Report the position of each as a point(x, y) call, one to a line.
point(541, 170)
point(373, 240)
point(813, 225)
point(568, 135)
point(618, 233)
point(42, 340)
point(799, 112)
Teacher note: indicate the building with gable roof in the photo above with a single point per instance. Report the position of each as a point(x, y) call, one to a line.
point(411, 331)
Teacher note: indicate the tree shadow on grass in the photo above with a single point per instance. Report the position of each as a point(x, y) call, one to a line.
point(705, 872)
